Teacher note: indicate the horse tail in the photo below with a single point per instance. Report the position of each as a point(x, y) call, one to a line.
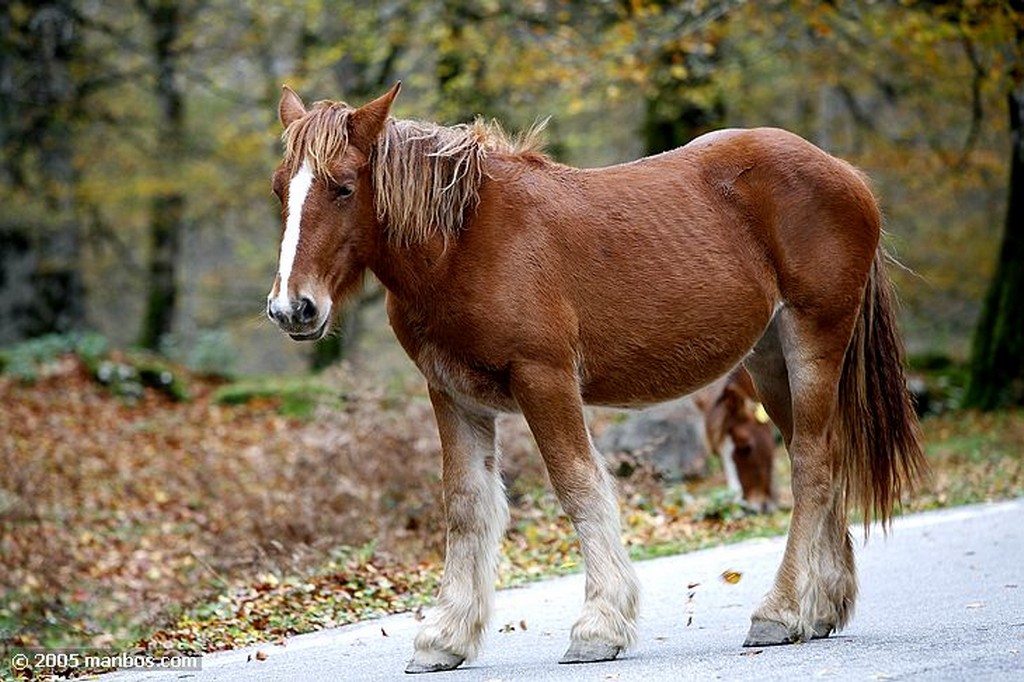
point(878, 429)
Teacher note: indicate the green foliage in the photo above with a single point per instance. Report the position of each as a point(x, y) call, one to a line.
point(125, 374)
point(27, 359)
point(296, 398)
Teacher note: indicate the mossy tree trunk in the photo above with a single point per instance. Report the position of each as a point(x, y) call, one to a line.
point(997, 354)
point(167, 208)
point(41, 284)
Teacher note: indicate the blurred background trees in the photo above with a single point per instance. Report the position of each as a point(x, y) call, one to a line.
point(41, 100)
point(997, 354)
point(137, 139)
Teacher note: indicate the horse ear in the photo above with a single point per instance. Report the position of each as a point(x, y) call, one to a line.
point(367, 122)
point(290, 108)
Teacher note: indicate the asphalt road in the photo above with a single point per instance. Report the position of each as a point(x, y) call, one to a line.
point(942, 598)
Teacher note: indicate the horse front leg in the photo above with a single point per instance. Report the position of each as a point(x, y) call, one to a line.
point(476, 513)
point(550, 400)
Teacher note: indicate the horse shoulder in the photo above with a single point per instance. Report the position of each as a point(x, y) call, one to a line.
point(477, 320)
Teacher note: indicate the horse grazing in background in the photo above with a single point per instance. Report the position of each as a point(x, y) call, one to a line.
point(519, 284)
point(738, 432)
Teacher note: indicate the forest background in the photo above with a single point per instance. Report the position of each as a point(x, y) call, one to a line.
point(138, 136)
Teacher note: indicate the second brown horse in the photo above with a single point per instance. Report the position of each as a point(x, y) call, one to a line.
point(738, 431)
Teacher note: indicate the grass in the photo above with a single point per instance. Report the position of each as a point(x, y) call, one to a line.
point(975, 457)
point(295, 397)
point(232, 505)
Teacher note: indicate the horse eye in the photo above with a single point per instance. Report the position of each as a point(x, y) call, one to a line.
point(345, 191)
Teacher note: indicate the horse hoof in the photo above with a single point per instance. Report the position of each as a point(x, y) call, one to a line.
point(590, 652)
point(768, 633)
point(822, 630)
point(433, 662)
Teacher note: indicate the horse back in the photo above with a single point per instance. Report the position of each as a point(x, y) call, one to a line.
point(650, 278)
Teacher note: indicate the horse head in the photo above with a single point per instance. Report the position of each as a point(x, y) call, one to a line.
point(329, 224)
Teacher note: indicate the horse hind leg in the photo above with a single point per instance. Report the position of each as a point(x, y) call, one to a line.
point(815, 587)
point(767, 367)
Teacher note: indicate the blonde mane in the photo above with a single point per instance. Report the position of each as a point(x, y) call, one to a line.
point(426, 177)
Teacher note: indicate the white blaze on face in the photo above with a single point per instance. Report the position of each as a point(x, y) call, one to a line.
point(298, 189)
point(732, 475)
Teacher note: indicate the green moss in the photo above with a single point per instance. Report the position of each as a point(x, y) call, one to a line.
point(295, 397)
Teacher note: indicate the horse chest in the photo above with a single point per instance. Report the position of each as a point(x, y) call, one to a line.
point(464, 378)
point(446, 356)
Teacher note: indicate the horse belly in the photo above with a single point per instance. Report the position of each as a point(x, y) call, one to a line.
point(666, 344)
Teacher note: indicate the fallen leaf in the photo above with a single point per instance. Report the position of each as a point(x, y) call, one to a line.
point(383, 632)
point(731, 577)
point(261, 655)
point(522, 625)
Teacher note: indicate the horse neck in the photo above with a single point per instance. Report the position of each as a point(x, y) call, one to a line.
point(410, 270)
point(404, 270)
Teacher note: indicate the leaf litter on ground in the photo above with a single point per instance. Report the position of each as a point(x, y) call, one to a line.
point(194, 525)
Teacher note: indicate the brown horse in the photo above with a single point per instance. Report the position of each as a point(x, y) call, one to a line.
point(742, 438)
point(519, 284)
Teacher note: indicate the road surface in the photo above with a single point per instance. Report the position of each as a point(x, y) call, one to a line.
point(942, 598)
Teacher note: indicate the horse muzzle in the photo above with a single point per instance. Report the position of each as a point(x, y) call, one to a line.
point(301, 319)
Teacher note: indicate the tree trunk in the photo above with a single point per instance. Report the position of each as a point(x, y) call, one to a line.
point(997, 354)
point(168, 206)
point(41, 286)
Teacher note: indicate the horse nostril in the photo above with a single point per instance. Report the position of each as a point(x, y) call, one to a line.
point(305, 310)
point(274, 313)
